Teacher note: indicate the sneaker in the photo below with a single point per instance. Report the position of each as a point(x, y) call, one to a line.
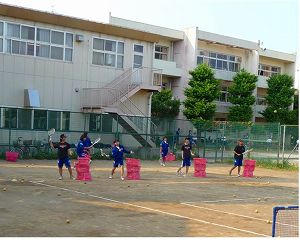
point(90, 162)
point(60, 178)
point(239, 175)
point(110, 177)
point(72, 177)
point(163, 164)
point(122, 178)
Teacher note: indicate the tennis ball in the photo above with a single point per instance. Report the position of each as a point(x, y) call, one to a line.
point(259, 199)
point(148, 185)
point(234, 195)
point(67, 221)
point(128, 185)
point(14, 180)
point(293, 193)
point(22, 181)
point(256, 211)
point(268, 222)
point(4, 189)
point(84, 182)
point(268, 182)
point(26, 165)
point(265, 198)
point(58, 194)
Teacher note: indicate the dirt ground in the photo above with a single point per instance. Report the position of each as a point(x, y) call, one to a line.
point(161, 204)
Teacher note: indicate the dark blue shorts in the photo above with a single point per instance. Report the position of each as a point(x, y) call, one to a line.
point(186, 162)
point(118, 163)
point(238, 162)
point(164, 154)
point(61, 162)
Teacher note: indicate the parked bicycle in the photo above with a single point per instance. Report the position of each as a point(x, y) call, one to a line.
point(20, 148)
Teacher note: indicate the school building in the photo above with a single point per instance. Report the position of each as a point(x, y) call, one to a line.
point(52, 65)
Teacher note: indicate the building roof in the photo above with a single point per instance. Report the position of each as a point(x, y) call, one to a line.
point(226, 40)
point(77, 23)
point(288, 57)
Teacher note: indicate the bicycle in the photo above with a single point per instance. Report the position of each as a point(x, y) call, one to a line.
point(20, 148)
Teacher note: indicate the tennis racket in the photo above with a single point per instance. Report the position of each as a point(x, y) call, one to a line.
point(96, 141)
point(250, 150)
point(51, 132)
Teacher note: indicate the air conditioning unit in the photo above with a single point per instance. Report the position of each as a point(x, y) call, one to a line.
point(79, 38)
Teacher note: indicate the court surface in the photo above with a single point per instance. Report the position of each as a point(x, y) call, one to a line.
point(161, 204)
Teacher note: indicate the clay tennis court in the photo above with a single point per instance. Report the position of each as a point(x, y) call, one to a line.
point(160, 205)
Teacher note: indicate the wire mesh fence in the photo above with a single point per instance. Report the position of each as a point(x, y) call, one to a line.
point(27, 130)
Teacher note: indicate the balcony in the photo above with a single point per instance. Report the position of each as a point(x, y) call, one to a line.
point(259, 108)
point(222, 107)
point(168, 68)
point(223, 74)
point(262, 82)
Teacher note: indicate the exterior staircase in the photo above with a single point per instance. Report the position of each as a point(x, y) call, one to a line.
point(114, 98)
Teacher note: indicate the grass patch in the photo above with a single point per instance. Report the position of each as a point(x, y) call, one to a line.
point(271, 164)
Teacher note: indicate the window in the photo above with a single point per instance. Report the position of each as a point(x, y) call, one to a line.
point(65, 121)
point(138, 55)
point(219, 61)
point(261, 101)
point(224, 94)
point(24, 118)
point(102, 123)
point(267, 71)
point(108, 53)
point(54, 119)
point(29, 40)
point(10, 118)
point(40, 119)
point(161, 52)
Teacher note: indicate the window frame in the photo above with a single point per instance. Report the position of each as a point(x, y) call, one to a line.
point(161, 53)
point(36, 42)
point(138, 54)
point(267, 72)
point(206, 57)
point(108, 52)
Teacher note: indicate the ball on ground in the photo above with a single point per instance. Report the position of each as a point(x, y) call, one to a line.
point(268, 182)
point(4, 189)
point(268, 222)
point(67, 221)
point(148, 185)
point(259, 199)
point(58, 194)
point(256, 211)
point(128, 185)
point(234, 195)
point(14, 180)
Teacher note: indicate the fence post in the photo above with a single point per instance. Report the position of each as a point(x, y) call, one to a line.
point(279, 142)
point(283, 142)
point(9, 126)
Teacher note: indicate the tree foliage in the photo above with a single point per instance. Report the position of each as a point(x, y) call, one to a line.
point(202, 91)
point(164, 105)
point(279, 98)
point(241, 96)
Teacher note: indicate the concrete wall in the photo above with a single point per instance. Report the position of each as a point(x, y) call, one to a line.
point(56, 80)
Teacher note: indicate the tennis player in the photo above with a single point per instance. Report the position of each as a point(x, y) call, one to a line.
point(117, 153)
point(238, 157)
point(164, 148)
point(186, 154)
point(63, 152)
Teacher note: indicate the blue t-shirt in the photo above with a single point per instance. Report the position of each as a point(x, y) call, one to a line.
point(80, 149)
point(117, 152)
point(87, 142)
point(164, 146)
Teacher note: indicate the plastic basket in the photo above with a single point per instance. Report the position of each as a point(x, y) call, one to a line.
point(133, 162)
point(199, 161)
point(199, 174)
point(170, 157)
point(249, 162)
point(133, 176)
point(200, 167)
point(84, 177)
point(11, 156)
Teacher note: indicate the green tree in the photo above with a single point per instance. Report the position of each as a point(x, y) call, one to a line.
point(164, 105)
point(241, 96)
point(202, 91)
point(279, 98)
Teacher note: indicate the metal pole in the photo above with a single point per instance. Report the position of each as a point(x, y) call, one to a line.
point(279, 142)
point(283, 142)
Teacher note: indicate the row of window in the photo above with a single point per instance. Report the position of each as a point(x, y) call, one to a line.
point(267, 70)
point(34, 119)
point(42, 120)
point(220, 61)
point(34, 41)
point(224, 97)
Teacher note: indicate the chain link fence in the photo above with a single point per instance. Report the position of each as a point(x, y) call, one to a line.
point(27, 130)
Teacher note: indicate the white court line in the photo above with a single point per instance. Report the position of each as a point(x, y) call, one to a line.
point(151, 209)
point(235, 214)
point(237, 199)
